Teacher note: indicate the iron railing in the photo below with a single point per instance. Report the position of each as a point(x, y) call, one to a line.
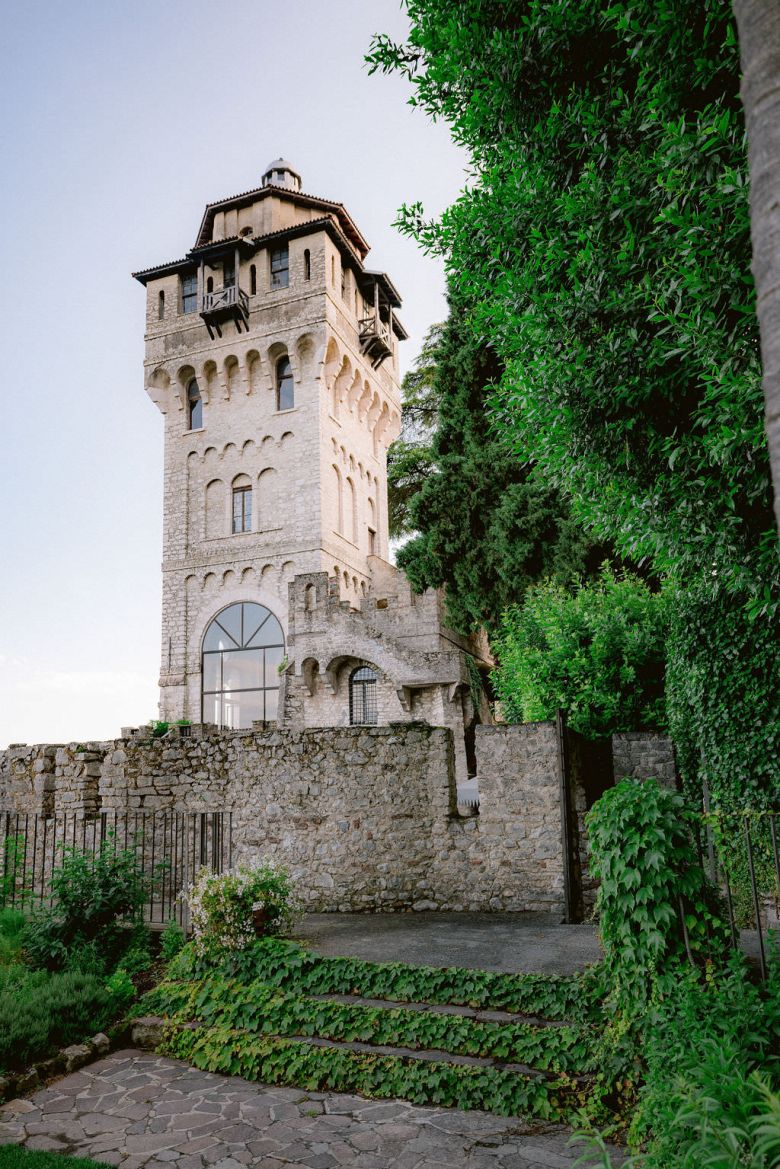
point(171, 848)
point(740, 853)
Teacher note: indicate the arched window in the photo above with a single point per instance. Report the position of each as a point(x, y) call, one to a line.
point(362, 697)
point(242, 504)
point(210, 284)
point(242, 650)
point(252, 280)
point(160, 306)
point(285, 387)
point(194, 406)
point(307, 264)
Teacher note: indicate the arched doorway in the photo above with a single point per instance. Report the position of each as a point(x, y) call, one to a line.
point(243, 647)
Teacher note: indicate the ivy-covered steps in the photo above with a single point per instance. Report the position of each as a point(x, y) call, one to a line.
point(512, 1044)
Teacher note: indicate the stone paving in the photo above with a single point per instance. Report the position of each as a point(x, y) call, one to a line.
point(136, 1110)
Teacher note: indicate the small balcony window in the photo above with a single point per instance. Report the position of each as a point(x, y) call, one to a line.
point(228, 273)
point(189, 294)
point(280, 267)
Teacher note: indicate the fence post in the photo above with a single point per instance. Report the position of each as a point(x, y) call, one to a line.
point(567, 840)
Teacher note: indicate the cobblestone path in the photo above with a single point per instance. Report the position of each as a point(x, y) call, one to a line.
point(133, 1109)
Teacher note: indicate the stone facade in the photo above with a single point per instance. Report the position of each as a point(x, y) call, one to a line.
point(644, 755)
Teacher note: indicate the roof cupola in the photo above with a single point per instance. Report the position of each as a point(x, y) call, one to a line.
point(281, 173)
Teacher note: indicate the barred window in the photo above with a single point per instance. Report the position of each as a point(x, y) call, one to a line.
point(362, 697)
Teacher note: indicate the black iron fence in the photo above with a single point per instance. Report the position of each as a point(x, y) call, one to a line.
point(740, 854)
point(171, 847)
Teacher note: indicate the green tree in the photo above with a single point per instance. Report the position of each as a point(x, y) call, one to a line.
point(410, 458)
point(484, 530)
point(604, 243)
point(596, 652)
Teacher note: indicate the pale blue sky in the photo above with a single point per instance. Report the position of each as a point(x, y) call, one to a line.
point(120, 121)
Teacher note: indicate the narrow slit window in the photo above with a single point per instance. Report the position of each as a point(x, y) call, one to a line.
point(285, 386)
point(252, 280)
point(307, 264)
point(194, 406)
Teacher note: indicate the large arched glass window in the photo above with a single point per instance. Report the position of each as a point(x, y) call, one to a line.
point(285, 386)
point(362, 697)
point(242, 651)
point(194, 406)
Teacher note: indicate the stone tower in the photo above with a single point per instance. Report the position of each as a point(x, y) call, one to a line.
point(272, 352)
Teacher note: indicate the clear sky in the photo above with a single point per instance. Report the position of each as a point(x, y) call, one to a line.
point(121, 121)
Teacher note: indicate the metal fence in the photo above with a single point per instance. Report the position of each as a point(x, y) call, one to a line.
point(171, 847)
point(740, 854)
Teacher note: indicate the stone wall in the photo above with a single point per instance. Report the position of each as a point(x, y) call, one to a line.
point(364, 817)
point(644, 755)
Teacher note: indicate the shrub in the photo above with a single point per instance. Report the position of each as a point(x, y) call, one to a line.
point(222, 905)
point(93, 897)
point(41, 1012)
point(12, 923)
point(172, 941)
point(596, 652)
point(643, 855)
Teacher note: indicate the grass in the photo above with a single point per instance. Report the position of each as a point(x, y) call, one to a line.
point(16, 1157)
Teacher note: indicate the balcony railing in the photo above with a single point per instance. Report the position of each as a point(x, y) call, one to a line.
point(225, 298)
point(226, 304)
point(376, 339)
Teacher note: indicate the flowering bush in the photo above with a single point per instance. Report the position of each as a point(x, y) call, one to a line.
point(225, 907)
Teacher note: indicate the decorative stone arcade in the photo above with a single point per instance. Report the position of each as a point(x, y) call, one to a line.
point(272, 353)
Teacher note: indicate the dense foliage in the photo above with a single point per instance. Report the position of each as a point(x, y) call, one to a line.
point(483, 528)
point(595, 651)
point(93, 899)
point(605, 248)
point(723, 698)
point(655, 906)
point(42, 1012)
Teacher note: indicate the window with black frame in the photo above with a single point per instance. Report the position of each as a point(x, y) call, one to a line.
point(189, 293)
point(243, 649)
point(362, 697)
point(280, 267)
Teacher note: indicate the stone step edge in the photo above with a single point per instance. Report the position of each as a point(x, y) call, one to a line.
point(478, 1014)
point(147, 1033)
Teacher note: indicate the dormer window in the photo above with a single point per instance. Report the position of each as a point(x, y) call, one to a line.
point(280, 267)
point(189, 294)
point(194, 406)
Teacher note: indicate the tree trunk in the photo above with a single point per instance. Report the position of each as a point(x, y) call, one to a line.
point(758, 24)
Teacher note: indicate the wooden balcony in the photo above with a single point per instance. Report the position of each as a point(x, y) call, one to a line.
point(376, 339)
point(227, 304)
